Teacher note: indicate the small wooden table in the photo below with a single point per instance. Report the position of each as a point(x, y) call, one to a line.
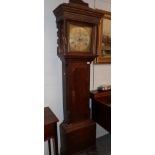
point(50, 129)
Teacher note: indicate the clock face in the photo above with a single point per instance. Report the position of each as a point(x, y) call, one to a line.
point(79, 38)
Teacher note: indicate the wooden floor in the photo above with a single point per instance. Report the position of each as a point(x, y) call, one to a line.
point(103, 147)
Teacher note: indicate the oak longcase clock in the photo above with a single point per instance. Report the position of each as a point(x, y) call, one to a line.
point(77, 46)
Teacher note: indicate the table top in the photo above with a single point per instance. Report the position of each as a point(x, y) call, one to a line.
point(49, 116)
point(103, 97)
point(99, 93)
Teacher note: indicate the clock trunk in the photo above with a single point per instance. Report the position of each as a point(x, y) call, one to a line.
point(75, 89)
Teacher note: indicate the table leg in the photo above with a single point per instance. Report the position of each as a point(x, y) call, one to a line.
point(55, 142)
point(49, 146)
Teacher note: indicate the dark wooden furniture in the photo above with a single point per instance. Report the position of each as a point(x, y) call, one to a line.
point(101, 108)
point(50, 129)
point(76, 50)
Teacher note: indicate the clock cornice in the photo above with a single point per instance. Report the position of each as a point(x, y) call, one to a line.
point(69, 11)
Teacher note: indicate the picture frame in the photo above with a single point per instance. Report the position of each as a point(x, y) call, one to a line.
point(104, 39)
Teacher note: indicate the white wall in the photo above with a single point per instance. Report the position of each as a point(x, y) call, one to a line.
point(53, 68)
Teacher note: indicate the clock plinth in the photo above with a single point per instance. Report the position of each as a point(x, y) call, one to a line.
point(77, 136)
point(77, 47)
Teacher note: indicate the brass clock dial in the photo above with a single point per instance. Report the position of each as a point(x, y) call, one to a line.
point(79, 38)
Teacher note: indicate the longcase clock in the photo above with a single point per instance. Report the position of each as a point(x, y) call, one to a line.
point(77, 46)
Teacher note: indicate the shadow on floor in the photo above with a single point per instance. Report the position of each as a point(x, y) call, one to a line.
point(103, 147)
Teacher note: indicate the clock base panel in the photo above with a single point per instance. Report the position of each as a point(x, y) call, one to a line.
point(77, 137)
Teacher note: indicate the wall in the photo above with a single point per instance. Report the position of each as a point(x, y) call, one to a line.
point(52, 65)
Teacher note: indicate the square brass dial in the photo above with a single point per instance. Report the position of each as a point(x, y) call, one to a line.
point(80, 38)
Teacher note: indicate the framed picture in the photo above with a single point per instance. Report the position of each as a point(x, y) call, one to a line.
point(104, 39)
